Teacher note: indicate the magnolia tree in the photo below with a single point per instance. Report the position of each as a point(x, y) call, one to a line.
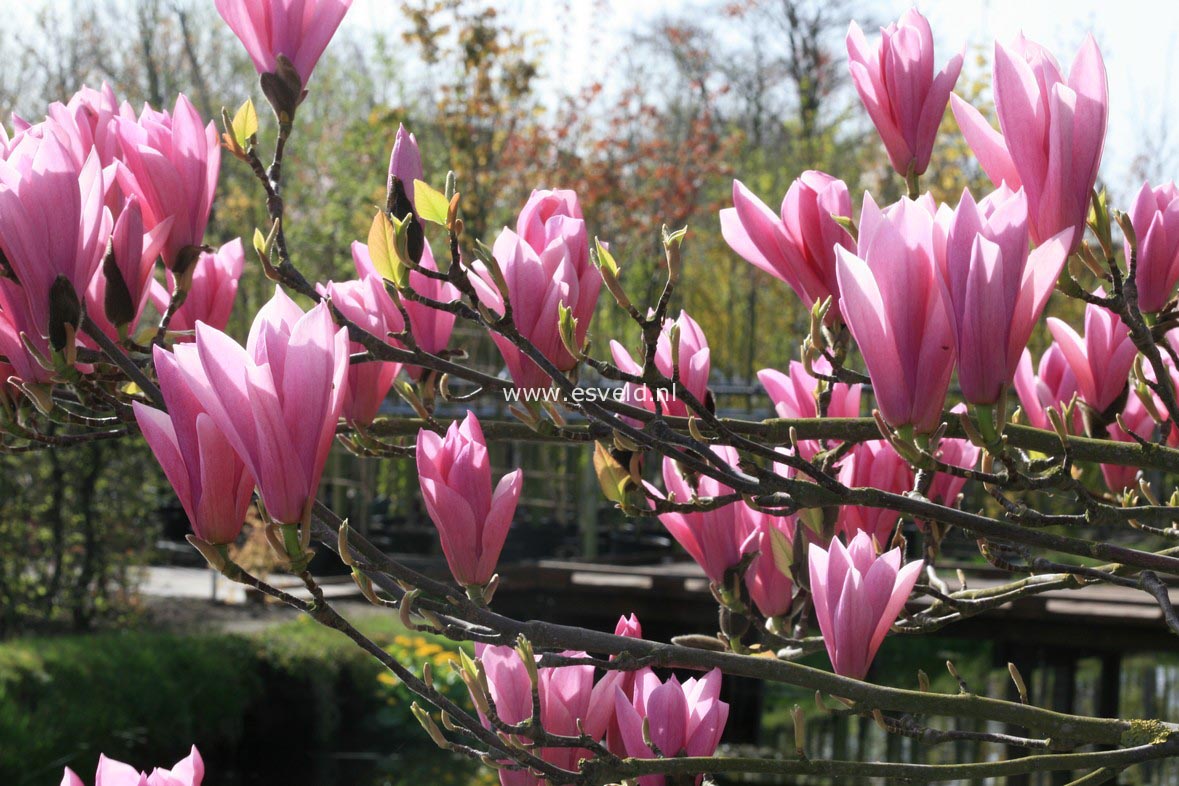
point(794, 519)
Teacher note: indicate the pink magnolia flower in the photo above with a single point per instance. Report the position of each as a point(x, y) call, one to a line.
point(945, 487)
point(298, 29)
point(896, 306)
point(1051, 385)
point(858, 595)
point(1155, 217)
point(171, 162)
point(278, 400)
point(431, 327)
point(189, 771)
point(211, 294)
point(799, 246)
point(997, 289)
point(715, 539)
point(209, 477)
point(623, 680)
point(695, 363)
point(131, 260)
point(1053, 132)
point(84, 123)
point(684, 719)
point(568, 697)
point(796, 396)
point(543, 220)
point(472, 520)
point(539, 282)
point(897, 83)
point(53, 225)
point(873, 464)
point(366, 304)
point(770, 588)
point(1135, 415)
point(405, 161)
point(1100, 361)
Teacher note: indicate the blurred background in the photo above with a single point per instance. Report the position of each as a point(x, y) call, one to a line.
point(648, 110)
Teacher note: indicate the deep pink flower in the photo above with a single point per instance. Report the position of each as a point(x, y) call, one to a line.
point(568, 698)
point(1155, 217)
point(52, 225)
point(896, 306)
point(1119, 477)
point(209, 477)
point(715, 539)
point(1051, 385)
point(1053, 132)
point(298, 29)
point(472, 520)
point(189, 771)
point(795, 396)
point(997, 289)
point(858, 595)
point(1101, 361)
point(897, 83)
point(366, 304)
point(695, 363)
point(278, 400)
point(538, 284)
point(405, 161)
point(770, 588)
point(431, 327)
point(134, 254)
point(873, 464)
point(684, 719)
point(945, 487)
point(171, 162)
point(799, 246)
point(211, 294)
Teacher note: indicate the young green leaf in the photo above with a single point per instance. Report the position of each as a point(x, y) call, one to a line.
point(431, 205)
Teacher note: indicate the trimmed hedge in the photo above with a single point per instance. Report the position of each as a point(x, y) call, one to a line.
point(144, 697)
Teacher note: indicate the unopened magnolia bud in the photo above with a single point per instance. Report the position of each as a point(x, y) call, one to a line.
point(1020, 685)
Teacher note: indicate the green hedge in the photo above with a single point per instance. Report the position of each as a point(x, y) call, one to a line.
point(144, 697)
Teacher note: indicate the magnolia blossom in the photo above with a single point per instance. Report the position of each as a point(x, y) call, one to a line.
point(716, 539)
point(53, 228)
point(1052, 384)
point(1053, 132)
point(210, 478)
point(366, 304)
point(1119, 477)
point(171, 162)
point(431, 327)
point(694, 365)
point(897, 83)
point(472, 520)
point(1101, 361)
point(1155, 218)
point(121, 288)
point(570, 703)
point(770, 587)
point(873, 464)
point(997, 289)
point(189, 771)
point(857, 595)
point(296, 29)
point(896, 306)
point(685, 719)
point(211, 294)
point(799, 246)
point(277, 400)
point(796, 396)
point(544, 269)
